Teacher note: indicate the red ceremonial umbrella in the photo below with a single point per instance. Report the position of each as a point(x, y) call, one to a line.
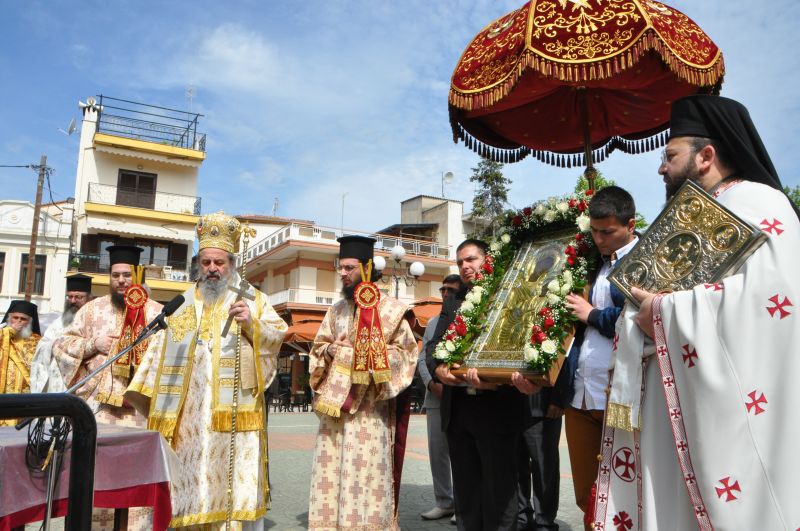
point(569, 81)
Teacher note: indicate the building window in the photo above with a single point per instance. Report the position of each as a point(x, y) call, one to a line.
point(38, 273)
point(136, 189)
point(160, 253)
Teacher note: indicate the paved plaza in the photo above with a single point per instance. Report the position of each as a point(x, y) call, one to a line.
point(291, 441)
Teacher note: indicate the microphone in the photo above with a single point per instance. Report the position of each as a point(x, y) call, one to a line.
point(158, 323)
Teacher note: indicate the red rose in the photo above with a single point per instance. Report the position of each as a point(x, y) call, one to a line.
point(571, 260)
point(536, 329)
point(570, 250)
point(582, 206)
point(548, 323)
point(452, 327)
point(541, 337)
point(488, 267)
point(490, 259)
point(573, 203)
point(544, 312)
point(478, 276)
point(579, 237)
point(461, 329)
point(583, 248)
point(527, 211)
point(589, 192)
point(516, 221)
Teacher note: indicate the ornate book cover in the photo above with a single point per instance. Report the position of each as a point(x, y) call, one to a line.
point(694, 240)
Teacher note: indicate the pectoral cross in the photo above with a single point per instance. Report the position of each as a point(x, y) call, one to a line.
point(242, 291)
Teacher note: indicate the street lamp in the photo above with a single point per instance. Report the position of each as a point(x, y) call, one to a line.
point(397, 273)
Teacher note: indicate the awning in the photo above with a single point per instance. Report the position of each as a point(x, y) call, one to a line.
point(116, 225)
point(426, 308)
point(303, 331)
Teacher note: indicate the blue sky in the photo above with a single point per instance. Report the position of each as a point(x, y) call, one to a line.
point(305, 101)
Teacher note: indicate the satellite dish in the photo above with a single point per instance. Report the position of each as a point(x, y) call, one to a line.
point(448, 177)
point(71, 128)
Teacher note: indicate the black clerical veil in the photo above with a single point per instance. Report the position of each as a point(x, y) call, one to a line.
point(728, 122)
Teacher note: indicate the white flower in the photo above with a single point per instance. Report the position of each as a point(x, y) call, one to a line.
point(562, 206)
point(505, 238)
point(440, 353)
point(478, 292)
point(472, 297)
point(530, 353)
point(449, 345)
point(549, 346)
point(467, 306)
point(583, 222)
point(494, 246)
point(566, 276)
point(553, 299)
point(552, 201)
point(566, 288)
point(553, 286)
point(540, 209)
point(550, 216)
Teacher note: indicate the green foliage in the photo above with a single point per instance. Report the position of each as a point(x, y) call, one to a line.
point(491, 194)
point(601, 182)
point(794, 194)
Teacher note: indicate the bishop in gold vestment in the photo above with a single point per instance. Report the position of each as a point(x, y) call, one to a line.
point(187, 389)
point(17, 345)
point(352, 477)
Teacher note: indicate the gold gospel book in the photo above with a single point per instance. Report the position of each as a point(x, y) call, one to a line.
point(694, 241)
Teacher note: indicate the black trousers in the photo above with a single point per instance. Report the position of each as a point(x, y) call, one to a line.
point(484, 463)
point(539, 475)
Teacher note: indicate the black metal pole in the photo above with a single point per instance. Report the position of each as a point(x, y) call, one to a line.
point(84, 444)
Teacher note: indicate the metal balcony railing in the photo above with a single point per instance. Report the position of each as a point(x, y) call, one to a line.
point(162, 201)
point(316, 233)
point(150, 123)
point(160, 270)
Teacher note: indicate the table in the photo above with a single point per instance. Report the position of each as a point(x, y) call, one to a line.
point(133, 468)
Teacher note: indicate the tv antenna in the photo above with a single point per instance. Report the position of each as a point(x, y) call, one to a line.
point(190, 95)
point(275, 207)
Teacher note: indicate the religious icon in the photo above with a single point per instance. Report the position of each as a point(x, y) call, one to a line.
point(497, 352)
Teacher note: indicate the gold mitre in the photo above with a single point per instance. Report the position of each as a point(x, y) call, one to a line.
point(219, 231)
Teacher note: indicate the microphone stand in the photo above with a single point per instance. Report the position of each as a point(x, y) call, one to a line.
point(145, 334)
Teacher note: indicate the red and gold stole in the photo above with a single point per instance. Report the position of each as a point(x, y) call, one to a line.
point(133, 322)
point(369, 351)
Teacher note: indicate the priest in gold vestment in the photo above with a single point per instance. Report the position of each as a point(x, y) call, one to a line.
point(17, 345)
point(187, 388)
point(364, 355)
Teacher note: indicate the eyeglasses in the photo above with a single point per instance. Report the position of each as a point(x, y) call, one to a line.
point(347, 268)
point(446, 289)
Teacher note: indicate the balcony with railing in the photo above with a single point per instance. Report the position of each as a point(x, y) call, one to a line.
point(317, 234)
point(304, 296)
point(149, 123)
point(159, 270)
point(107, 194)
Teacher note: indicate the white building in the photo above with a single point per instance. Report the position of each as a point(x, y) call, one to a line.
point(52, 253)
point(136, 184)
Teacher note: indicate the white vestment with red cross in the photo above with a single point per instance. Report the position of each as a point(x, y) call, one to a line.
point(719, 430)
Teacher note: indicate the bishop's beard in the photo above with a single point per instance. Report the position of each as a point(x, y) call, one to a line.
point(349, 292)
point(213, 287)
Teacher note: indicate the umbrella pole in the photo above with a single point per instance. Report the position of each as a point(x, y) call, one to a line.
point(590, 172)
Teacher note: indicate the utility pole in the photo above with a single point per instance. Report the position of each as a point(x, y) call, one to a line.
point(35, 229)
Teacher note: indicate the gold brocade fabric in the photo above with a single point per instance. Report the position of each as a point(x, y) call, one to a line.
point(187, 383)
point(15, 364)
point(351, 478)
